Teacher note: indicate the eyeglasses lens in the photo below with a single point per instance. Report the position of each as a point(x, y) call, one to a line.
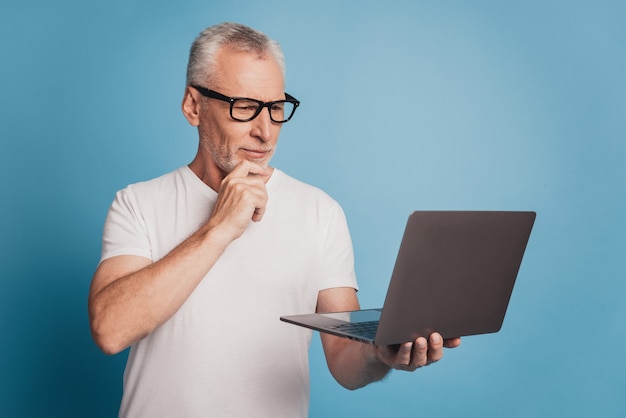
point(245, 110)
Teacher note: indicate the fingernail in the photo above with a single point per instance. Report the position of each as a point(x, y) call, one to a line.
point(436, 339)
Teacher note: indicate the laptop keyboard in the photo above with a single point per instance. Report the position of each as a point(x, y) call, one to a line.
point(367, 329)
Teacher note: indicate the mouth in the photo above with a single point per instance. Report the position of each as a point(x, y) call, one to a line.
point(255, 154)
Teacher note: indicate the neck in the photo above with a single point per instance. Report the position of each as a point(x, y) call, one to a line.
point(211, 177)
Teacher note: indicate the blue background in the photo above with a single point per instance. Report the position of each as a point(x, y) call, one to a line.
point(405, 105)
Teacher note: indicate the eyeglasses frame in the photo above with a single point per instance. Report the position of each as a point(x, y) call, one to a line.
point(212, 94)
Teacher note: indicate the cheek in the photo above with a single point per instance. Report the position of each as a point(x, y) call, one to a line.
point(276, 133)
point(224, 143)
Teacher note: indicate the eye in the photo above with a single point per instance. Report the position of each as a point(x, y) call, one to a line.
point(278, 107)
point(245, 106)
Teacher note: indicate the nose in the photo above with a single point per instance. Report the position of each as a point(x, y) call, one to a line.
point(263, 126)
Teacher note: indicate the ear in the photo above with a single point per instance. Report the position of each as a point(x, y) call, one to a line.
point(191, 106)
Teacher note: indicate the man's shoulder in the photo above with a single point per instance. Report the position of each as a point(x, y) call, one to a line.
point(163, 187)
point(169, 179)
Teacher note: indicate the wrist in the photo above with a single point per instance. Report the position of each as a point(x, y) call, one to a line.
point(215, 237)
point(377, 358)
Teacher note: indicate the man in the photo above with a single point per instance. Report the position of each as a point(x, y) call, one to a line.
point(198, 265)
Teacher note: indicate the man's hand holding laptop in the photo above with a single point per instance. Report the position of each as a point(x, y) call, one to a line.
point(413, 355)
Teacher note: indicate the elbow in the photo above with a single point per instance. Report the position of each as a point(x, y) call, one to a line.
point(105, 334)
point(106, 341)
point(348, 378)
point(107, 345)
point(351, 385)
point(353, 382)
point(353, 364)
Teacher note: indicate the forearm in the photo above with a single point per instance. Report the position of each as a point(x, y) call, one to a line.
point(130, 298)
point(353, 364)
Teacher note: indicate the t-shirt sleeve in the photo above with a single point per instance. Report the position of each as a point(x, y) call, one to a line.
point(337, 252)
point(125, 231)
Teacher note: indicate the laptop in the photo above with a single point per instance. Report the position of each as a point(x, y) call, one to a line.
point(454, 274)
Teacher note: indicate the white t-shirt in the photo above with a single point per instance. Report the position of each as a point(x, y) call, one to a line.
point(225, 352)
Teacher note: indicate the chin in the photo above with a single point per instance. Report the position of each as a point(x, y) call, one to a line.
point(260, 161)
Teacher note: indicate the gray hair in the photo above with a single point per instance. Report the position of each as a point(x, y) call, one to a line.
point(202, 56)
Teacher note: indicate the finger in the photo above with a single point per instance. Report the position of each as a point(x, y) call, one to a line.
point(258, 175)
point(403, 357)
point(246, 168)
point(452, 342)
point(236, 190)
point(255, 195)
point(248, 181)
point(259, 210)
point(435, 351)
point(420, 352)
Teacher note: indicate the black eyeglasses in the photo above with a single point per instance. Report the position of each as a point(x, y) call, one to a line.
point(243, 109)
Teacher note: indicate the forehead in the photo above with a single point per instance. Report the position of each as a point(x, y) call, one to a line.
point(240, 73)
